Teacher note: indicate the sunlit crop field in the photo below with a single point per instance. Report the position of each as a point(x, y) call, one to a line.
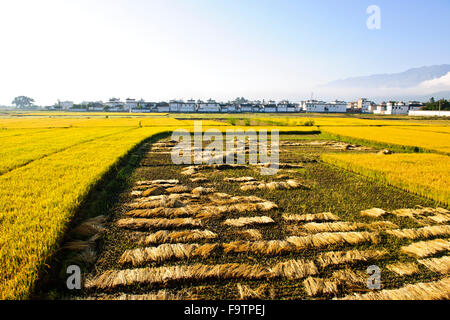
point(47, 166)
point(425, 174)
point(38, 200)
point(334, 121)
point(50, 163)
point(87, 122)
point(420, 139)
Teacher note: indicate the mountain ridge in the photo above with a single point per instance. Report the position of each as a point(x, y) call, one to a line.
point(406, 79)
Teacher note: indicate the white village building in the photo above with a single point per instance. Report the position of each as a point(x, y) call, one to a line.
point(209, 106)
point(397, 108)
point(130, 104)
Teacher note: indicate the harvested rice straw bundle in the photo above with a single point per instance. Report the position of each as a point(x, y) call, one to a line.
point(165, 236)
point(224, 198)
point(425, 215)
point(441, 265)
point(294, 269)
point(350, 278)
point(156, 182)
point(198, 272)
point(426, 248)
point(247, 293)
point(325, 216)
point(178, 189)
point(425, 232)
point(165, 203)
point(210, 212)
point(270, 247)
point(345, 257)
point(318, 286)
point(250, 234)
point(170, 197)
point(244, 221)
point(436, 290)
point(164, 212)
point(374, 212)
point(421, 211)
point(198, 180)
point(154, 189)
point(331, 238)
point(274, 185)
point(164, 252)
point(131, 223)
point(241, 179)
point(201, 191)
point(403, 268)
point(379, 225)
point(315, 227)
point(439, 218)
point(188, 171)
point(295, 230)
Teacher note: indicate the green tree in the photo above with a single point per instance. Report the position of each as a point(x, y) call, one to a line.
point(23, 102)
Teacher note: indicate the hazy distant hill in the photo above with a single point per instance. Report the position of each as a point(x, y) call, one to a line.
point(409, 78)
point(409, 97)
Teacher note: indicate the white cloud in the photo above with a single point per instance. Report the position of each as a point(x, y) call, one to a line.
point(438, 84)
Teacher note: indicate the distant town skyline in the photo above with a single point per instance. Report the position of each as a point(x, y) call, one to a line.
point(160, 50)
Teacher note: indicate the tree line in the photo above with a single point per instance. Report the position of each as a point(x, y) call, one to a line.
point(434, 105)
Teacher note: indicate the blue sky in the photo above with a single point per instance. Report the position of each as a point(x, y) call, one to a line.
point(96, 49)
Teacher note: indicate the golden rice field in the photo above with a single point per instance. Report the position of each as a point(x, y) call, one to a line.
point(335, 121)
point(19, 150)
point(393, 136)
point(38, 200)
point(48, 122)
point(425, 174)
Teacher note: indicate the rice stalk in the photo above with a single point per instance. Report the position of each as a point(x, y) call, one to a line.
point(346, 257)
point(197, 272)
point(246, 221)
point(315, 227)
point(131, 223)
point(165, 252)
point(250, 234)
point(350, 278)
point(240, 179)
point(325, 216)
point(165, 236)
point(424, 232)
point(441, 265)
point(318, 286)
point(247, 293)
point(436, 290)
point(294, 269)
point(156, 182)
point(426, 248)
point(332, 238)
point(374, 212)
point(274, 185)
point(269, 247)
point(403, 268)
point(379, 225)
